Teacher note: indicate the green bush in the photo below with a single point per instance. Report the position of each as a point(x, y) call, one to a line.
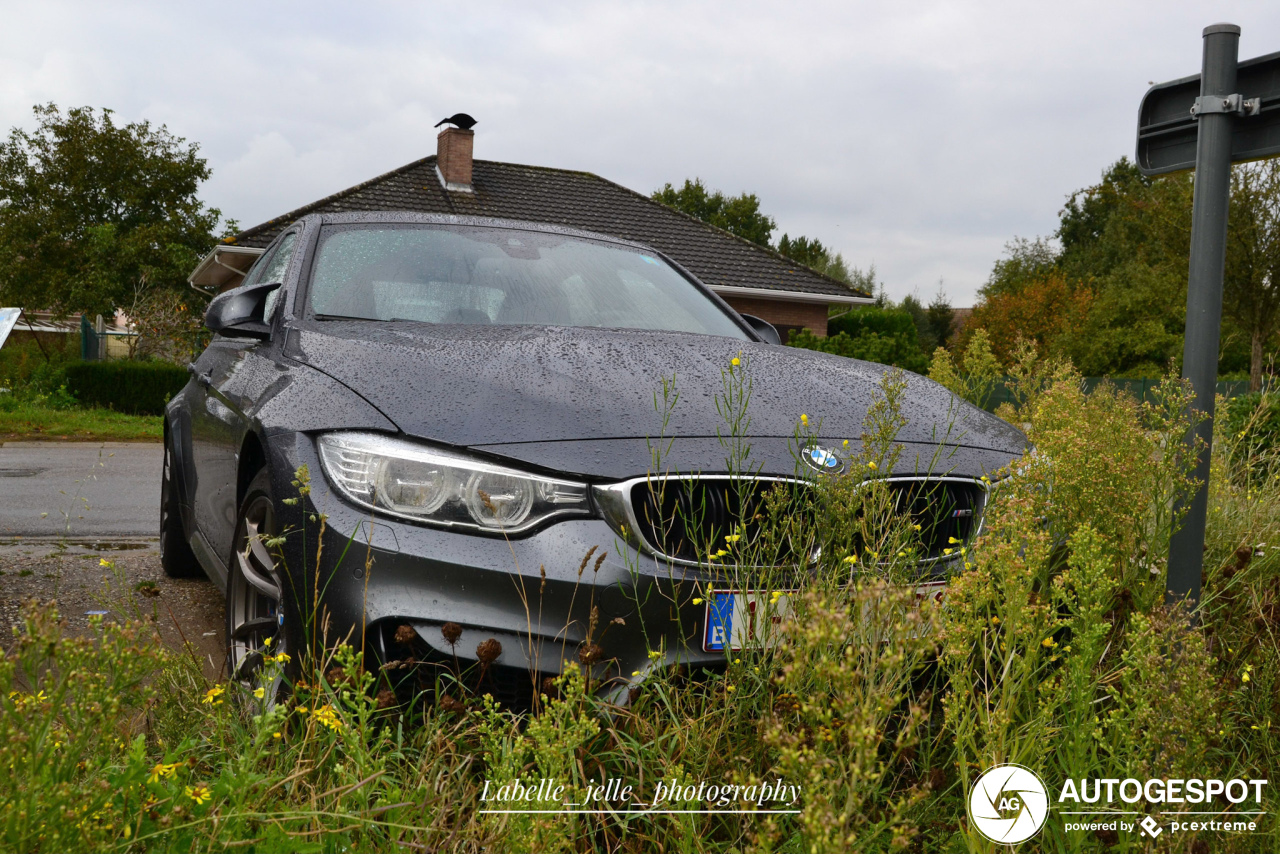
point(874, 334)
point(1253, 421)
point(28, 371)
point(141, 388)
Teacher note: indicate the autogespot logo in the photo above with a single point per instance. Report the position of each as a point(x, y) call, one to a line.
point(1008, 804)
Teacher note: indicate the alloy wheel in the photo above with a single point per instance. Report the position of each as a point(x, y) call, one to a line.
point(255, 618)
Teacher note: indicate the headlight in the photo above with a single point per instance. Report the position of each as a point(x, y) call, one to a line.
point(441, 487)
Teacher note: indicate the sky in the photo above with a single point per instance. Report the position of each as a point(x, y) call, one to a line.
point(920, 137)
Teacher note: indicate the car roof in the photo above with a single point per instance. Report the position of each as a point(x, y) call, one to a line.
point(411, 218)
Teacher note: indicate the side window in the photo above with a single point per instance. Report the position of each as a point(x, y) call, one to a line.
point(274, 270)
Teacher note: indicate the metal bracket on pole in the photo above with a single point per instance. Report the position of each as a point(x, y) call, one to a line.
point(1233, 104)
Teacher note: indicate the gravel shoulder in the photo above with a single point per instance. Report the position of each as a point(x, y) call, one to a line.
point(119, 577)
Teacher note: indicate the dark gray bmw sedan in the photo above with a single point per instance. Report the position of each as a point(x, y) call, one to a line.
point(461, 443)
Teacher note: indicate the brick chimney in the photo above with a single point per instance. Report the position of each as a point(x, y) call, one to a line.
point(453, 159)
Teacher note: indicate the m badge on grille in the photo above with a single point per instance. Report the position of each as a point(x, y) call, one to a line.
point(820, 459)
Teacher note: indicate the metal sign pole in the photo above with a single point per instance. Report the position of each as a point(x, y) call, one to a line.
point(1215, 111)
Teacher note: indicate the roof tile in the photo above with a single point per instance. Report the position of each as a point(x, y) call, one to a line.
point(579, 200)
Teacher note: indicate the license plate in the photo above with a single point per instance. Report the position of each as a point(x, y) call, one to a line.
point(749, 619)
point(933, 590)
point(744, 619)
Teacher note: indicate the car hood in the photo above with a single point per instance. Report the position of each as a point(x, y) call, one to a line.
point(499, 386)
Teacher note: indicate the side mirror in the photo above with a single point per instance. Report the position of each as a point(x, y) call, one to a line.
point(763, 328)
point(241, 312)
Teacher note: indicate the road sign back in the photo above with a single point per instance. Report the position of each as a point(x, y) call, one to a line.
point(1167, 122)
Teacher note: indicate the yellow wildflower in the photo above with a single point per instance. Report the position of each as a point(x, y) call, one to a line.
point(328, 717)
point(213, 694)
point(102, 561)
point(259, 692)
point(199, 794)
point(162, 770)
point(804, 419)
point(735, 361)
point(697, 600)
point(1048, 643)
point(872, 465)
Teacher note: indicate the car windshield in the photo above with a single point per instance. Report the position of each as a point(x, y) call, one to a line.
point(478, 275)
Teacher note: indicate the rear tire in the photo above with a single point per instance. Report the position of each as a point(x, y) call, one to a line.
point(176, 557)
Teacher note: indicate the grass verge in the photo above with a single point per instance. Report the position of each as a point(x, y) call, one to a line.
point(27, 421)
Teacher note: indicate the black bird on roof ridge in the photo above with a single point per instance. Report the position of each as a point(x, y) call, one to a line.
point(461, 120)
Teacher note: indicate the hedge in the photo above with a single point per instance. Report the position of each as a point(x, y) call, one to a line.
point(140, 388)
point(1252, 421)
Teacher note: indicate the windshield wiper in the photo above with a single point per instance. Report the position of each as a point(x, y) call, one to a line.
point(319, 316)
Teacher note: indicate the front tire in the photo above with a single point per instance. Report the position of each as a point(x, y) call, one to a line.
point(176, 557)
point(256, 620)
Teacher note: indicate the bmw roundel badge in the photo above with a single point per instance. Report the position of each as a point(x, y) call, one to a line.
point(820, 459)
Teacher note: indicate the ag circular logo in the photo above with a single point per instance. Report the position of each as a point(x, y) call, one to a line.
point(820, 459)
point(1008, 804)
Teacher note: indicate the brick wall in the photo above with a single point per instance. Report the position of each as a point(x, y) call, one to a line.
point(784, 315)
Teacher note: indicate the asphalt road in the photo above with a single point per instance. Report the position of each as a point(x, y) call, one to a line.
point(80, 489)
point(78, 527)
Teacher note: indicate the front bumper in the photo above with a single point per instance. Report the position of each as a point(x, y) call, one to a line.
point(571, 592)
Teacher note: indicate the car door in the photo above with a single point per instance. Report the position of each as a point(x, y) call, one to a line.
point(218, 418)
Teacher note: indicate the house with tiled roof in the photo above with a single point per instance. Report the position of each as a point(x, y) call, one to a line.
point(751, 278)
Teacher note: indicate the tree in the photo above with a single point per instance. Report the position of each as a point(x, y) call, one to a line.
point(1025, 262)
point(738, 215)
point(940, 320)
point(91, 210)
point(815, 256)
point(1251, 285)
point(169, 323)
point(920, 317)
point(810, 253)
point(1040, 312)
point(1084, 220)
point(1113, 297)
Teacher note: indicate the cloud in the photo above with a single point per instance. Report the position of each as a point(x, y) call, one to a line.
point(919, 136)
